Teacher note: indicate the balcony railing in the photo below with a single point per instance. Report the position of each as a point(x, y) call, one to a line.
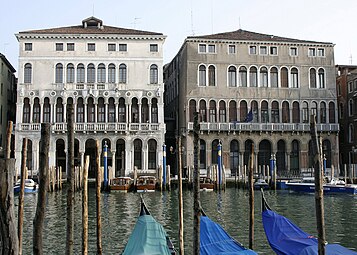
point(263, 127)
point(93, 127)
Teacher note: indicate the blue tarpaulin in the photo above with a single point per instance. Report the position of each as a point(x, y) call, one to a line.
point(285, 238)
point(214, 240)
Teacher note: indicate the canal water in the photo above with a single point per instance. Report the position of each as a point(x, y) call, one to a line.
point(229, 208)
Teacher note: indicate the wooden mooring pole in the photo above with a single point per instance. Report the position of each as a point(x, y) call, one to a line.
point(319, 198)
point(196, 187)
point(20, 216)
point(251, 199)
point(179, 146)
point(38, 221)
point(85, 208)
point(98, 185)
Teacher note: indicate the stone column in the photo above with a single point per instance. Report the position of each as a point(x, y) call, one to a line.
point(31, 110)
point(95, 112)
point(149, 105)
point(81, 153)
point(41, 112)
point(113, 163)
point(287, 154)
point(85, 112)
point(64, 113)
point(106, 112)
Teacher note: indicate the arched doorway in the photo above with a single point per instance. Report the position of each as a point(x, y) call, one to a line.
point(61, 155)
point(247, 149)
point(294, 158)
point(90, 150)
point(234, 156)
point(264, 154)
point(120, 158)
point(280, 158)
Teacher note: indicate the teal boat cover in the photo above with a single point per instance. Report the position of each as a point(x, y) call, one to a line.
point(214, 240)
point(147, 238)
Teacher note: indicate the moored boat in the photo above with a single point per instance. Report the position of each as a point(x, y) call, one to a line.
point(122, 184)
point(286, 238)
point(148, 236)
point(30, 186)
point(145, 184)
point(261, 184)
point(206, 184)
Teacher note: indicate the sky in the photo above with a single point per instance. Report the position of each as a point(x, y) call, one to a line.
point(317, 20)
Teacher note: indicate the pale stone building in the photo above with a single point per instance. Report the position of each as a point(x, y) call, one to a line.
point(113, 77)
point(253, 88)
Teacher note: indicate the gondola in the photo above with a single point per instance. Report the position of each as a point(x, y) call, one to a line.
point(148, 236)
point(215, 240)
point(285, 238)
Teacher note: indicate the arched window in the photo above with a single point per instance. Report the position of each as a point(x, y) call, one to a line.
point(331, 111)
point(101, 110)
point(232, 76)
point(36, 111)
point(222, 111)
point(255, 110)
point(144, 111)
point(80, 110)
point(154, 111)
point(134, 111)
point(101, 73)
point(275, 118)
point(264, 112)
point(111, 110)
point(122, 110)
point(286, 112)
point(80, 73)
point(314, 110)
point(232, 111)
point(243, 108)
point(46, 110)
point(28, 73)
point(313, 78)
point(322, 112)
point(70, 73)
point(305, 112)
point(350, 107)
point(59, 110)
point(284, 78)
point(214, 152)
point(122, 73)
point(111, 73)
point(202, 75)
point(138, 148)
point(294, 78)
point(243, 76)
point(192, 109)
point(154, 78)
point(211, 76)
point(202, 154)
point(253, 77)
point(263, 77)
point(90, 110)
point(321, 74)
point(296, 112)
point(234, 156)
point(59, 73)
point(203, 111)
point(212, 111)
point(152, 147)
point(274, 77)
point(26, 111)
point(90, 73)
point(350, 133)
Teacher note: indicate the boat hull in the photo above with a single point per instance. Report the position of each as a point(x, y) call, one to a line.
point(328, 189)
point(145, 188)
point(27, 190)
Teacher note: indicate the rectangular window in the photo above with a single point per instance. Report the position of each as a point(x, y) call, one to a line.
point(350, 86)
point(212, 48)
point(263, 50)
point(154, 48)
point(59, 46)
point(28, 46)
point(321, 52)
point(70, 46)
point(111, 47)
point(91, 46)
point(252, 50)
point(231, 49)
point(202, 48)
point(273, 50)
point(293, 51)
point(312, 52)
point(123, 47)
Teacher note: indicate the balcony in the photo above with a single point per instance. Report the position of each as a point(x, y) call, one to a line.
point(263, 127)
point(94, 127)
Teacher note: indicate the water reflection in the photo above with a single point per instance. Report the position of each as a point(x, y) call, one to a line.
point(229, 208)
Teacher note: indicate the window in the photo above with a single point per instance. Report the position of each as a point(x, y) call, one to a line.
point(202, 48)
point(122, 111)
point(275, 112)
point(59, 46)
point(331, 112)
point(111, 47)
point(284, 78)
point(350, 86)
point(273, 50)
point(321, 74)
point(231, 49)
point(46, 110)
point(252, 50)
point(101, 110)
point(111, 110)
point(154, 111)
point(212, 48)
point(28, 46)
point(296, 112)
point(111, 73)
point(212, 111)
point(232, 76)
point(26, 111)
point(123, 47)
point(232, 111)
point(80, 110)
point(263, 50)
point(138, 148)
point(70, 73)
point(36, 111)
point(313, 78)
point(154, 48)
point(211, 76)
point(243, 76)
point(91, 46)
point(202, 75)
point(122, 73)
point(350, 107)
point(59, 73)
point(294, 78)
point(321, 52)
point(59, 110)
point(263, 77)
point(80, 73)
point(253, 77)
point(222, 111)
point(203, 115)
point(293, 51)
point(90, 110)
point(323, 112)
point(153, 74)
point(274, 77)
point(70, 46)
point(152, 146)
point(91, 73)
point(28, 73)
point(305, 113)
point(312, 52)
point(264, 112)
point(286, 112)
point(101, 73)
point(202, 154)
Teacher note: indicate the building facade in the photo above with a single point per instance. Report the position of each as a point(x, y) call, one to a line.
point(111, 75)
point(251, 88)
point(8, 84)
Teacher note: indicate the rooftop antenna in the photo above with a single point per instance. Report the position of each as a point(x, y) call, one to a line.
point(351, 59)
point(240, 26)
point(192, 30)
point(135, 22)
point(93, 10)
point(212, 17)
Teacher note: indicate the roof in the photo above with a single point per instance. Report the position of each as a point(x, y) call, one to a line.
point(7, 63)
point(90, 25)
point(243, 35)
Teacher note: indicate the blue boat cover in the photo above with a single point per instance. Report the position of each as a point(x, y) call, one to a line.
point(214, 240)
point(285, 238)
point(147, 238)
